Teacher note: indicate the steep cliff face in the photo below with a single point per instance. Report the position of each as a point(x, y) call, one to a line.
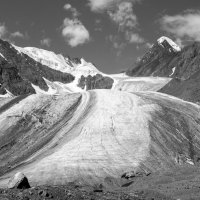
point(187, 73)
point(183, 66)
point(18, 72)
point(164, 61)
point(156, 61)
point(187, 62)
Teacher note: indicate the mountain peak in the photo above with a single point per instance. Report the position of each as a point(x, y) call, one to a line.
point(163, 39)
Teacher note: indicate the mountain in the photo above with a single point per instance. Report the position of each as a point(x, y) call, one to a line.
point(185, 83)
point(30, 70)
point(157, 60)
point(63, 121)
point(19, 72)
point(166, 59)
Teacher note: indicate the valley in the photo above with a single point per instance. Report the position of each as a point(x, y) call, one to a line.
point(63, 123)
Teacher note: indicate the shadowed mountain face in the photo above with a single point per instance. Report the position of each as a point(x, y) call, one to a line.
point(185, 89)
point(162, 61)
point(18, 71)
point(155, 62)
point(183, 67)
point(186, 85)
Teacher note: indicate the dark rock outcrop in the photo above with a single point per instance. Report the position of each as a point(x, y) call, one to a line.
point(186, 83)
point(18, 71)
point(183, 67)
point(163, 62)
point(155, 62)
point(188, 89)
point(95, 82)
point(18, 181)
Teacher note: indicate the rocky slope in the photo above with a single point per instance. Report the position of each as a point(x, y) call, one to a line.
point(185, 85)
point(156, 61)
point(180, 65)
point(164, 61)
point(18, 72)
point(31, 70)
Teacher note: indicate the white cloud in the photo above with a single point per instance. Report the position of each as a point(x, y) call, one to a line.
point(3, 31)
point(123, 16)
point(117, 44)
point(98, 25)
point(101, 5)
point(183, 26)
point(5, 34)
point(73, 10)
point(17, 34)
point(46, 42)
point(134, 38)
point(74, 32)
point(148, 45)
point(67, 6)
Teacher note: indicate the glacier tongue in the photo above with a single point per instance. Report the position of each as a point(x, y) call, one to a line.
point(171, 43)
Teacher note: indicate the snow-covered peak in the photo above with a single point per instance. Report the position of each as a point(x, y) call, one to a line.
point(87, 66)
point(48, 58)
point(170, 42)
point(59, 62)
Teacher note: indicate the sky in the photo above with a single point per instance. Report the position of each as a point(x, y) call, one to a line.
point(112, 34)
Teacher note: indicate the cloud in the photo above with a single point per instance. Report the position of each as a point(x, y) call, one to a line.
point(183, 26)
point(46, 42)
point(148, 45)
point(123, 16)
point(98, 25)
point(5, 34)
point(117, 44)
point(3, 31)
point(74, 32)
point(101, 5)
point(73, 10)
point(17, 34)
point(134, 38)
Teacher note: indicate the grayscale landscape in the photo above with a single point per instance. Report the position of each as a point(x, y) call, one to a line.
point(69, 130)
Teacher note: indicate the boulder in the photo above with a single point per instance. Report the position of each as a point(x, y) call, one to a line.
point(18, 181)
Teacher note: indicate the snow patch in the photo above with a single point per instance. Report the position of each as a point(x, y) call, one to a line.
point(173, 70)
point(171, 43)
point(189, 161)
point(8, 94)
point(19, 49)
point(50, 91)
point(2, 56)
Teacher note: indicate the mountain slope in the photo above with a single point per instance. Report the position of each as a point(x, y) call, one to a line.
point(31, 70)
point(163, 60)
point(18, 72)
point(155, 62)
point(183, 66)
point(188, 68)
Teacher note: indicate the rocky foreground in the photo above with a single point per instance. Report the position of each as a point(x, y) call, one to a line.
point(181, 183)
